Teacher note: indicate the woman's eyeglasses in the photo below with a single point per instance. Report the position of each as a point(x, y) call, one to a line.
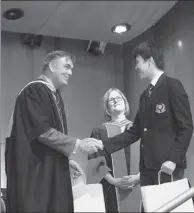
point(113, 100)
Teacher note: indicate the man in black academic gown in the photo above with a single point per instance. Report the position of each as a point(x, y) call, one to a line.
point(163, 121)
point(38, 147)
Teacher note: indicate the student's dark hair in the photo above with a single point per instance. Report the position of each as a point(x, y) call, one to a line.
point(150, 49)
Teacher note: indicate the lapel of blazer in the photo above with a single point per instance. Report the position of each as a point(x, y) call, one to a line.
point(142, 106)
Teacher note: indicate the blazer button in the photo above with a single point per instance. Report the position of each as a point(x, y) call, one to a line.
point(145, 129)
point(142, 145)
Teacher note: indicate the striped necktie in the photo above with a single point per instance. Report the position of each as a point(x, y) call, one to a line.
point(59, 108)
point(58, 102)
point(148, 95)
point(149, 90)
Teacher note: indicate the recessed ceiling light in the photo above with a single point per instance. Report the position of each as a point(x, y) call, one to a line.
point(180, 43)
point(121, 28)
point(13, 14)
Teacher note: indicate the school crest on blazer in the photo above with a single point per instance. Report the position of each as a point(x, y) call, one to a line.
point(160, 108)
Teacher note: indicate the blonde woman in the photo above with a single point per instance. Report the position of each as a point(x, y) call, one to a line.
point(116, 108)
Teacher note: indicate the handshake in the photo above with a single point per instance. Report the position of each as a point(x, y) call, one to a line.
point(90, 145)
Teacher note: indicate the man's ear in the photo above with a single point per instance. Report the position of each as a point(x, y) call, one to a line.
point(51, 66)
point(151, 60)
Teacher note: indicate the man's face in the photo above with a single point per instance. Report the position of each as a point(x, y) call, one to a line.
point(142, 67)
point(62, 70)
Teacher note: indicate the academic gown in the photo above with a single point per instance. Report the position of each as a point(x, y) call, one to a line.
point(108, 189)
point(38, 177)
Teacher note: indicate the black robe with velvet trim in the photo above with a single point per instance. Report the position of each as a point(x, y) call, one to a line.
point(38, 178)
point(109, 191)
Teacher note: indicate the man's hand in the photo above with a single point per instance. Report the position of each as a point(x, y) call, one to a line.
point(77, 171)
point(168, 167)
point(90, 145)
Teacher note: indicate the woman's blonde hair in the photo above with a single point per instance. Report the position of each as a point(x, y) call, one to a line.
point(105, 103)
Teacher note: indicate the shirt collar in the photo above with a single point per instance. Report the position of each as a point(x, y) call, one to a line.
point(155, 79)
point(49, 84)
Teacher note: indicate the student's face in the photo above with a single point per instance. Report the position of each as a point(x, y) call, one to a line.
point(61, 69)
point(116, 103)
point(142, 67)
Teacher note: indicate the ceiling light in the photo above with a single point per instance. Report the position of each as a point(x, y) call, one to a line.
point(121, 28)
point(180, 43)
point(13, 14)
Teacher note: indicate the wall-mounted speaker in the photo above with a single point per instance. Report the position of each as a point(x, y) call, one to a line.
point(31, 40)
point(96, 48)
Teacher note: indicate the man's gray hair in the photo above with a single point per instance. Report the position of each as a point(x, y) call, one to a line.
point(57, 54)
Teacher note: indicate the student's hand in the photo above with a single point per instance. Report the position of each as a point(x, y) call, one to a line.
point(90, 145)
point(168, 167)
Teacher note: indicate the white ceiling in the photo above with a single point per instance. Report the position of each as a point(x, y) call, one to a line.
point(87, 20)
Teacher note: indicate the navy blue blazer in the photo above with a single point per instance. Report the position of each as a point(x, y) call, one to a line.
point(163, 123)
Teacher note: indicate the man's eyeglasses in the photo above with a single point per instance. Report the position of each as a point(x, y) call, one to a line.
point(113, 100)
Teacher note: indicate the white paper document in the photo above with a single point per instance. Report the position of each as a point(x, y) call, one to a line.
point(88, 198)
